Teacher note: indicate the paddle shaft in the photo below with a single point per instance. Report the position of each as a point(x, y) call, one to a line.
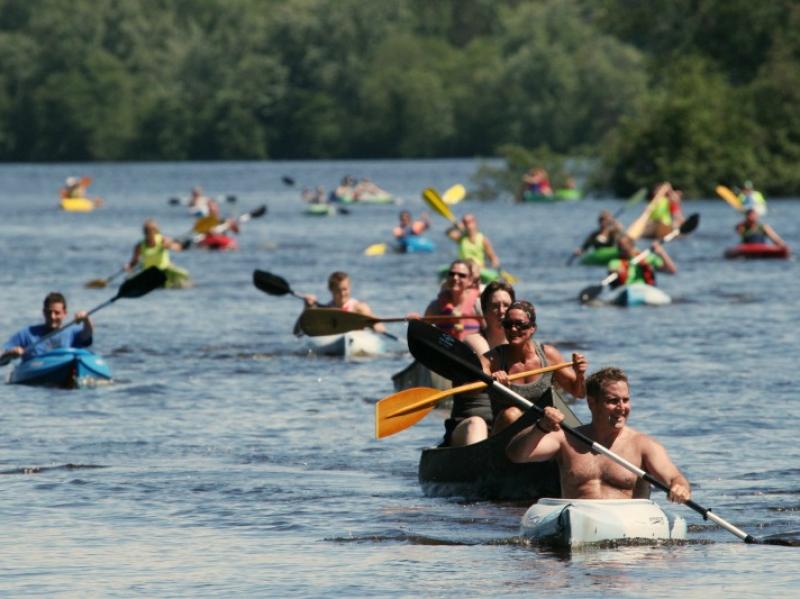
point(474, 387)
point(596, 447)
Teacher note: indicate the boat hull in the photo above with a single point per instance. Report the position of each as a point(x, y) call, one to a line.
point(77, 204)
point(640, 294)
point(757, 251)
point(319, 210)
point(600, 256)
point(482, 470)
point(218, 242)
point(416, 375)
point(354, 344)
point(65, 367)
point(579, 522)
point(415, 244)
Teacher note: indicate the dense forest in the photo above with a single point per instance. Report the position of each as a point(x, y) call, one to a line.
point(696, 91)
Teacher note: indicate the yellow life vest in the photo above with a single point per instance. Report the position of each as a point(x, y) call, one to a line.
point(156, 255)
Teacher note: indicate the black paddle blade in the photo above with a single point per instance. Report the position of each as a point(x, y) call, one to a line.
point(590, 293)
point(287, 180)
point(231, 199)
point(445, 355)
point(690, 224)
point(174, 201)
point(260, 211)
point(270, 283)
point(143, 283)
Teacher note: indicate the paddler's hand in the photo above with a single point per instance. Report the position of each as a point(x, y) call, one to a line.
point(13, 352)
point(413, 316)
point(501, 376)
point(551, 421)
point(679, 493)
point(81, 316)
point(310, 300)
point(579, 365)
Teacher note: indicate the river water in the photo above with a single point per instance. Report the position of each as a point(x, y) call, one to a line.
point(224, 460)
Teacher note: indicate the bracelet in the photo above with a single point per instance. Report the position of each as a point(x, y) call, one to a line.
point(537, 425)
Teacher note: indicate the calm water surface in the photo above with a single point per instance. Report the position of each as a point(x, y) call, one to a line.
point(226, 461)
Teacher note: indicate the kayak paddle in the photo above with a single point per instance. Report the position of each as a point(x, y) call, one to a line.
point(273, 284)
point(333, 321)
point(224, 226)
point(401, 410)
point(376, 249)
point(454, 194)
point(592, 292)
point(435, 201)
point(102, 283)
point(435, 350)
point(638, 226)
point(137, 286)
point(730, 197)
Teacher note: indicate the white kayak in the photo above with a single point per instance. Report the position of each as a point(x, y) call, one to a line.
point(353, 344)
point(639, 294)
point(577, 522)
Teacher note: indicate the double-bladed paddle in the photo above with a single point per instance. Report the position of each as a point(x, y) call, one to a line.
point(175, 201)
point(434, 349)
point(102, 283)
point(435, 201)
point(333, 321)
point(224, 226)
point(137, 286)
point(592, 292)
point(401, 410)
point(730, 197)
point(272, 284)
point(637, 228)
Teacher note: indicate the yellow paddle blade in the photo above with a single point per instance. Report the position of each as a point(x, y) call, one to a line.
point(376, 249)
point(386, 424)
point(637, 228)
point(508, 277)
point(96, 284)
point(730, 197)
point(455, 194)
point(434, 200)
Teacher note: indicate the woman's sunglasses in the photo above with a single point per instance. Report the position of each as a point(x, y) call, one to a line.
point(516, 324)
point(460, 275)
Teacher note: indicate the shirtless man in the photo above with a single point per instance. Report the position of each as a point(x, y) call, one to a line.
point(585, 475)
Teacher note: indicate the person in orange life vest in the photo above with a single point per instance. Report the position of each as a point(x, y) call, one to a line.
point(339, 286)
point(645, 270)
point(751, 230)
point(457, 296)
point(408, 226)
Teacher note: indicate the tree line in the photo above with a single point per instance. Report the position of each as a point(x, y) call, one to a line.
point(695, 91)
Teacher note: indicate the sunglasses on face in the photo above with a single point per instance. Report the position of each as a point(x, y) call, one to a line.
point(460, 275)
point(516, 324)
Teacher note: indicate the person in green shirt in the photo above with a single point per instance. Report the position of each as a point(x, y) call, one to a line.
point(472, 244)
point(643, 271)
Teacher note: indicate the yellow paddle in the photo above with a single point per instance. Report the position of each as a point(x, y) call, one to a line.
point(636, 230)
point(730, 197)
point(435, 201)
point(455, 194)
point(376, 249)
point(401, 410)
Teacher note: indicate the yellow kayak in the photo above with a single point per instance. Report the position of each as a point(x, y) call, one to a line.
point(78, 204)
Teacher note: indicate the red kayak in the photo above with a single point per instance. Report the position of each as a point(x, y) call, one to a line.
point(219, 242)
point(757, 250)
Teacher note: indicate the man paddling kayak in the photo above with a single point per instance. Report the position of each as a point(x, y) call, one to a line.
point(752, 231)
point(339, 286)
point(472, 244)
point(585, 475)
point(645, 270)
point(523, 353)
point(25, 343)
point(605, 235)
point(153, 250)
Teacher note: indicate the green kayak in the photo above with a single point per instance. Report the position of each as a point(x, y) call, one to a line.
point(600, 256)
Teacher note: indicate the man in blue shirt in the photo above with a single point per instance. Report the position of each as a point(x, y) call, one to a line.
point(30, 341)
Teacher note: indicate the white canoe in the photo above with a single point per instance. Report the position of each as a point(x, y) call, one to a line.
point(577, 522)
point(640, 294)
point(349, 345)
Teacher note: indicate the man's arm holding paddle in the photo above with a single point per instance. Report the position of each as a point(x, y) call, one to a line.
point(657, 462)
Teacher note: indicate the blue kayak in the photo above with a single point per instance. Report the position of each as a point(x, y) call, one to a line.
point(415, 244)
point(639, 294)
point(65, 367)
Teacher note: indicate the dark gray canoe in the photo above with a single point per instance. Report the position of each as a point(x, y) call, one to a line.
point(482, 471)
